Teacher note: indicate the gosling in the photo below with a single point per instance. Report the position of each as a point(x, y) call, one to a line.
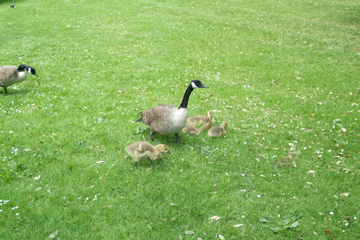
point(189, 128)
point(218, 131)
point(201, 119)
point(141, 150)
point(11, 74)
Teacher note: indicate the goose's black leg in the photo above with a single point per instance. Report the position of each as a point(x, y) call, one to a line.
point(177, 138)
point(151, 136)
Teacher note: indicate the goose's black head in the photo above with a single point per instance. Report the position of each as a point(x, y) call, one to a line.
point(197, 84)
point(24, 67)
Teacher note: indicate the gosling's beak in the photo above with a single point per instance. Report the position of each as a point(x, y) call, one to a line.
point(169, 152)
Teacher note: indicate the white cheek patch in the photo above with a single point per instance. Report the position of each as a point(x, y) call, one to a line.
point(29, 70)
point(193, 85)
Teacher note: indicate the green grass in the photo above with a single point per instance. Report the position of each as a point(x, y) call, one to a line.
point(284, 73)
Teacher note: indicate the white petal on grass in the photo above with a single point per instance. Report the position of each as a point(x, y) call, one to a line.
point(214, 218)
point(337, 120)
point(54, 234)
point(100, 161)
point(37, 178)
point(189, 232)
point(311, 172)
point(295, 224)
point(345, 194)
point(238, 225)
point(221, 237)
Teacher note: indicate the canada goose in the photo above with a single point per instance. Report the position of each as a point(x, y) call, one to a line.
point(201, 119)
point(139, 150)
point(169, 119)
point(11, 74)
point(189, 128)
point(217, 131)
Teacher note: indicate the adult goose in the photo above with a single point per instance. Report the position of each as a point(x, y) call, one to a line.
point(170, 119)
point(11, 74)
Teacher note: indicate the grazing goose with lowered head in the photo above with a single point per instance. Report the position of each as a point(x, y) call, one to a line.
point(170, 119)
point(140, 150)
point(11, 74)
point(189, 128)
point(218, 131)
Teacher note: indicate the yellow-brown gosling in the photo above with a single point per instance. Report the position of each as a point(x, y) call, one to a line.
point(218, 131)
point(170, 119)
point(12, 74)
point(201, 119)
point(189, 128)
point(141, 150)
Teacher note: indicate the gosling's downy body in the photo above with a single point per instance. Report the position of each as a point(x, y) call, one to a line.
point(201, 119)
point(189, 128)
point(141, 150)
point(169, 119)
point(218, 131)
point(11, 74)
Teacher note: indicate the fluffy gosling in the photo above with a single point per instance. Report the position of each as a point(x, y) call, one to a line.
point(141, 150)
point(201, 119)
point(218, 131)
point(189, 128)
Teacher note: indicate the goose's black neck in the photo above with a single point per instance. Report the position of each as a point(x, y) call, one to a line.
point(22, 67)
point(186, 97)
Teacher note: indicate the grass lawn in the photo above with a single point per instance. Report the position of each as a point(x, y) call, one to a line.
point(285, 75)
